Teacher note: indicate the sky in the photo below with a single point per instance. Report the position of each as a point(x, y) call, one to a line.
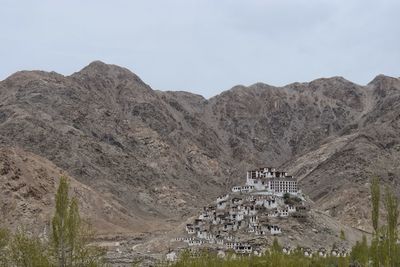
point(205, 46)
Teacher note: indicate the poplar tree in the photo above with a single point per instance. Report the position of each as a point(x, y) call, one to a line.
point(364, 251)
point(375, 199)
point(391, 206)
point(71, 235)
point(359, 253)
point(73, 230)
point(60, 223)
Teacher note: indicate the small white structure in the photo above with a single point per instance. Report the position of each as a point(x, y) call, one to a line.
point(204, 216)
point(202, 234)
point(343, 253)
point(171, 256)
point(221, 205)
point(275, 230)
point(229, 238)
point(221, 254)
point(247, 188)
point(187, 239)
point(239, 217)
point(335, 253)
point(251, 210)
point(222, 198)
point(273, 213)
point(291, 208)
point(243, 248)
point(196, 242)
point(229, 227)
point(283, 213)
point(230, 245)
point(190, 229)
point(322, 252)
point(237, 201)
point(236, 189)
point(253, 220)
point(286, 250)
point(308, 253)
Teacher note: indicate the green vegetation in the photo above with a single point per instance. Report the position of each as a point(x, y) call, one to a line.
point(26, 250)
point(359, 253)
point(68, 245)
point(384, 249)
point(269, 259)
point(342, 235)
point(291, 200)
point(4, 240)
point(375, 198)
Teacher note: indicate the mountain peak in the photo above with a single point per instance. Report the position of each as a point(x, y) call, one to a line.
point(382, 78)
point(334, 80)
point(382, 83)
point(21, 78)
point(96, 65)
point(97, 69)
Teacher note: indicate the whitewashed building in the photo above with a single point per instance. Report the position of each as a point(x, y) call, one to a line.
point(171, 256)
point(274, 229)
point(221, 205)
point(271, 180)
point(222, 198)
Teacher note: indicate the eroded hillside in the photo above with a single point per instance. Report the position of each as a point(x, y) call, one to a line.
point(163, 155)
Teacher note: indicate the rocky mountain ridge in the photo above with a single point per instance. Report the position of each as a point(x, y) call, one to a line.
point(162, 155)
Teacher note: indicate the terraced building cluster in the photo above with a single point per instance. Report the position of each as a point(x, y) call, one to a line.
point(255, 209)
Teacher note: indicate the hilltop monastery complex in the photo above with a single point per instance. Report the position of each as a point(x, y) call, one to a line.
point(252, 210)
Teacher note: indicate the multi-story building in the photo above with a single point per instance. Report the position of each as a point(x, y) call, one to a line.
point(271, 180)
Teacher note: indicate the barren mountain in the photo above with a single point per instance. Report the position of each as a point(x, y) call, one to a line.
point(160, 156)
point(28, 185)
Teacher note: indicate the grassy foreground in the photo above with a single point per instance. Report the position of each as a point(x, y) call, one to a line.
point(273, 259)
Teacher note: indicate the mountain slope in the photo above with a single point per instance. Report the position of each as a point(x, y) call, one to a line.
point(28, 186)
point(165, 154)
point(337, 174)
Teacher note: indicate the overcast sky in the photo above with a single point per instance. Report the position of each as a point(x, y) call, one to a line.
point(205, 46)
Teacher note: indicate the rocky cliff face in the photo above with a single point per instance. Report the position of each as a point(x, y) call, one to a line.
point(162, 155)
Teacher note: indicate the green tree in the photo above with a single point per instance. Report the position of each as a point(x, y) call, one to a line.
point(60, 223)
point(28, 251)
point(392, 210)
point(73, 228)
point(374, 251)
point(84, 253)
point(375, 199)
point(275, 246)
point(4, 240)
point(71, 235)
point(364, 257)
point(342, 235)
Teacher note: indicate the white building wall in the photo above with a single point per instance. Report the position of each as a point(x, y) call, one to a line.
point(275, 230)
point(222, 198)
point(221, 205)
